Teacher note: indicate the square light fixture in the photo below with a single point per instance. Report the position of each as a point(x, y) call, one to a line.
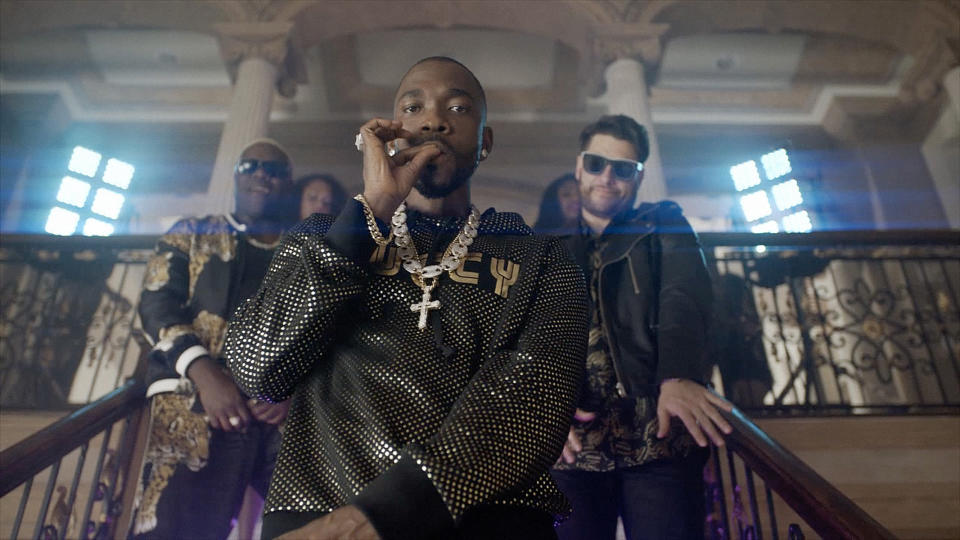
point(107, 203)
point(73, 192)
point(776, 163)
point(61, 221)
point(745, 175)
point(84, 161)
point(756, 205)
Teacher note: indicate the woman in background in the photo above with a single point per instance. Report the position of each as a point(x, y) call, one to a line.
point(320, 194)
point(559, 207)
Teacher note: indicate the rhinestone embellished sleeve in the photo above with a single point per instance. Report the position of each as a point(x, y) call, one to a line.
point(477, 405)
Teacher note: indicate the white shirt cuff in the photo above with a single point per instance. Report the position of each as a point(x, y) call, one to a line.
point(187, 358)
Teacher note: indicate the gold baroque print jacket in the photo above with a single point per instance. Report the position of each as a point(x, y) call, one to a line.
point(186, 299)
point(415, 427)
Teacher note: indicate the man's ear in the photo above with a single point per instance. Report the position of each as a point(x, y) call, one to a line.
point(486, 142)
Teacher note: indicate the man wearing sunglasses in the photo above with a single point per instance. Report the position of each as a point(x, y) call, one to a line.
point(650, 299)
point(209, 441)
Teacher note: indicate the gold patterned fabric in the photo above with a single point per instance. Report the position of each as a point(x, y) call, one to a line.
point(189, 290)
point(476, 407)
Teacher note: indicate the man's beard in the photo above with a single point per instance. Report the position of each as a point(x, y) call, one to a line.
point(427, 186)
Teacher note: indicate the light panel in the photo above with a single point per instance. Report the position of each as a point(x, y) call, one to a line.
point(61, 221)
point(107, 203)
point(776, 163)
point(787, 194)
point(766, 227)
point(797, 223)
point(84, 161)
point(118, 173)
point(95, 227)
point(73, 192)
point(745, 175)
point(756, 205)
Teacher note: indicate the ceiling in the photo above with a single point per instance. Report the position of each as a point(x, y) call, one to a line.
point(768, 67)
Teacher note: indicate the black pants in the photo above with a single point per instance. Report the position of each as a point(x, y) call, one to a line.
point(200, 505)
point(482, 523)
point(658, 500)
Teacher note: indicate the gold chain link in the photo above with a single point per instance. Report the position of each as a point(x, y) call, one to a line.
point(372, 223)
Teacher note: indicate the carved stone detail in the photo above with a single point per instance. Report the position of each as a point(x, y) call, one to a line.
point(270, 41)
point(612, 41)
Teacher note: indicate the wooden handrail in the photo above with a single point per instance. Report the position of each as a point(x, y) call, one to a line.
point(28, 457)
point(828, 511)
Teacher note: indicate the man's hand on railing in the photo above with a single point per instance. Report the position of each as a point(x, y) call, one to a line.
point(222, 401)
point(696, 406)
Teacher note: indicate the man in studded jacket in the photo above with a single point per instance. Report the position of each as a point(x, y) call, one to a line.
point(433, 364)
point(650, 301)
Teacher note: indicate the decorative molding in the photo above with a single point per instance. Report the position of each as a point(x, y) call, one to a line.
point(616, 40)
point(270, 41)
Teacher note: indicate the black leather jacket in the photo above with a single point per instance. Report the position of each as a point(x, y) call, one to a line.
point(655, 297)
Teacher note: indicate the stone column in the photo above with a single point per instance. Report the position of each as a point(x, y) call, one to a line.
point(625, 47)
point(256, 55)
point(627, 94)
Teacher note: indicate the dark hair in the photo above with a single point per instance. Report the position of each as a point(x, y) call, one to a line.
point(483, 95)
point(550, 219)
point(339, 194)
point(621, 127)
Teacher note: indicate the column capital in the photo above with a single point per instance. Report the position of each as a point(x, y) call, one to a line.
point(270, 41)
point(639, 41)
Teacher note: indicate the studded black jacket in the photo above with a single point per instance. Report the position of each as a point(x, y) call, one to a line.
point(415, 427)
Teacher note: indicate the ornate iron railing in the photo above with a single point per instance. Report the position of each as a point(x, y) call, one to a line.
point(834, 322)
point(838, 322)
point(758, 489)
point(67, 311)
point(101, 489)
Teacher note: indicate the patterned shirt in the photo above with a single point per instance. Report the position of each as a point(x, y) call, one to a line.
point(624, 432)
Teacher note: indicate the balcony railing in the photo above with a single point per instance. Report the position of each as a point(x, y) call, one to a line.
point(67, 311)
point(837, 322)
point(815, 323)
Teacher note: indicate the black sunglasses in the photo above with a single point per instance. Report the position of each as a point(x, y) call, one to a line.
point(274, 169)
point(624, 169)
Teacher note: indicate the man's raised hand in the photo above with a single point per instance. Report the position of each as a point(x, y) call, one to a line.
point(387, 180)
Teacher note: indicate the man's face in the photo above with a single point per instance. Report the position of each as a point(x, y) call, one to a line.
point(440, 101)
point(604, 194)
point(262, 190)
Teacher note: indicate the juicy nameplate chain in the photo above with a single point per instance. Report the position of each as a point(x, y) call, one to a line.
point(426, 276)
